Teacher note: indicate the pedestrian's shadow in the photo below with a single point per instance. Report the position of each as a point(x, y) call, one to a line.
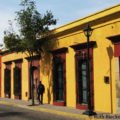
point(34, 105)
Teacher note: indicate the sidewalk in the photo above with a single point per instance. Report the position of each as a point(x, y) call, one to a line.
point(65, 111)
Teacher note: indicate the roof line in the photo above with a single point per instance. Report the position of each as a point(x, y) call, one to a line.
point(65, 27)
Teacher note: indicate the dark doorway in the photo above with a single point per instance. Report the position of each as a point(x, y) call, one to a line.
point(59, 81)
point(7, 82)
point(17, 82)
point(81, 79)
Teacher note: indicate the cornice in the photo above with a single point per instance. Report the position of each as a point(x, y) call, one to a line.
point(83, 45)
point(60, 50)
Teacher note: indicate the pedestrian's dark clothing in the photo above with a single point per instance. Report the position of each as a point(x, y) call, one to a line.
point(40, 90)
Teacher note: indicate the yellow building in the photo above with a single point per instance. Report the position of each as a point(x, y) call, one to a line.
point(63, 71)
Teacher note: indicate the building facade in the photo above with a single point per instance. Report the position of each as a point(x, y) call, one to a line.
point(63, 70)
point(0, 75)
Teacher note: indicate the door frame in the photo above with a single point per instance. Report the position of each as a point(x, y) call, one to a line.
point(81, 53)
point(60, 54)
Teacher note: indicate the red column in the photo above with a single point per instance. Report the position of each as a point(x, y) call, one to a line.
point(117, 49)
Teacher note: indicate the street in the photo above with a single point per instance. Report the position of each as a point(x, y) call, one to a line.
point(8, 112)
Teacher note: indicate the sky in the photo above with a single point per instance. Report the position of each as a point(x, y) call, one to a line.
point(65, 11)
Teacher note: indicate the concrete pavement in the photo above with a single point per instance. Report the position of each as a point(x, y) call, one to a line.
point(65, 111)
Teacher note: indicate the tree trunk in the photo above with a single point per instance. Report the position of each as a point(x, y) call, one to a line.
point(31, 80)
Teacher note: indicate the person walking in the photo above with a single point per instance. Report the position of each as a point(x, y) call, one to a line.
point(40, 91)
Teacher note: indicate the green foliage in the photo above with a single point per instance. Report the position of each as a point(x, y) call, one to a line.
point(12, 42)
point(33, 28)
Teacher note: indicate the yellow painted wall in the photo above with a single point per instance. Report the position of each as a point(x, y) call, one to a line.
point(12, 57)
point(101, 69)
point(103, 59)
point(25, 79)
point(71, 34)
point(103, 55)
point(2, 81)
point(101, 64)
point(70, 79)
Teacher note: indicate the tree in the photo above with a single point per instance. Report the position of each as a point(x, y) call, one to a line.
point(33, 33)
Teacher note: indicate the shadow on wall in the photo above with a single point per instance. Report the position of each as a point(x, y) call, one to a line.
point(110, 55)
point(110, 52)
point(46, 65)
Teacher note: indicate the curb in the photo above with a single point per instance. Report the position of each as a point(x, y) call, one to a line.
point(35, 108)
